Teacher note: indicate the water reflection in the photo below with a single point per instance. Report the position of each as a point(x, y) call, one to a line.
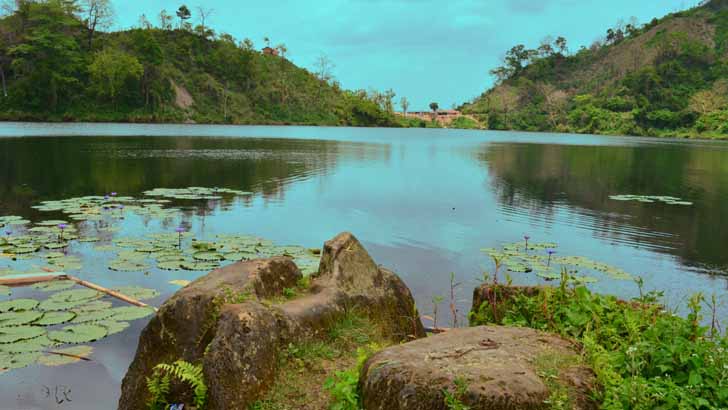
point(424, 202)
point(546, 179)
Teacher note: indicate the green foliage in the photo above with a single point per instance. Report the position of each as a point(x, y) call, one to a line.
point(59, 68)
point(644, 358)
point(453, 399)
point(159, 385)
point(634, 84)
point(343, 385)
point(113, 71)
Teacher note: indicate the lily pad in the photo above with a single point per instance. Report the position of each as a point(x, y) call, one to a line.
point(129, 313)
point(75, 295)
point(113, 326)
point(78, 334)
point(10, 334)
point(128, 266)
point(10, 361)
point(93, 316)
point(19, 318)
point(54, 318)
point(139, 293)
point(61, 357)
point(54, 286)
point(14, 305)
point(92, 306)
point(35, 344)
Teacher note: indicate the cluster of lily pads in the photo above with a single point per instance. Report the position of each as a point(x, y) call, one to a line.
point(39, 331)
point(199, 193)
point(35, 330)
point(650, 199)
point(168, 251)
point(543, 260)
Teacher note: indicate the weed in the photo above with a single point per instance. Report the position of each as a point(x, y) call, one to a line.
point(453, 400)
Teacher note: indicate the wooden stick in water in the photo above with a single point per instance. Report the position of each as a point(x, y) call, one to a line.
point(70, 355)
point(109, 292)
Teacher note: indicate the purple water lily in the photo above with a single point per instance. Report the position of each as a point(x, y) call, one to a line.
point(180, 230)
point(551, 252)
point(113, 194)
point(526, 237)
point(8, 233)
point(62, 227)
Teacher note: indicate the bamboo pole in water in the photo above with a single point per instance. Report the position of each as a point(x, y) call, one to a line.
point(30, 280)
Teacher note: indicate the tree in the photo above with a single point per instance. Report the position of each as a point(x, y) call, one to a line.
point(47, 62)
point(561, 45)
point(554, 102)
point(98, 14)
point(266, 40)
point(110, 71)
point(434, 107)
point(184, 14)
point(144, 23)
point(323, 67)
point(204, 14)
point(165, 20)
point(404, 103)
point(707, 101)
point(247, 44)
point(282, 49)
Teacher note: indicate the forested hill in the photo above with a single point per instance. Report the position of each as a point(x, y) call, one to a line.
point(55, 64)
point(668, 77)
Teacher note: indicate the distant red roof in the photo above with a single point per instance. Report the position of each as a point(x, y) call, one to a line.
point(270, 51)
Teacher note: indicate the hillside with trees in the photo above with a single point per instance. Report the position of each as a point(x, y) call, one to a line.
point(668, 77)
point(58, 62)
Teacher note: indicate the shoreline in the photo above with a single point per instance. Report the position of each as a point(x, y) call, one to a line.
point(293, 125)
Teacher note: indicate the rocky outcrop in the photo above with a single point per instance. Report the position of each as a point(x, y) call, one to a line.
point(500, 368)
point(186, 323)
point(226, 321)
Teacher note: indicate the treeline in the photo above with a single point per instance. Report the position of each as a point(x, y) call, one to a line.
point(58, 62)
point(667, 77)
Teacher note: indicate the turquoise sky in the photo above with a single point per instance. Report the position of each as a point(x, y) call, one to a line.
point(426, 50)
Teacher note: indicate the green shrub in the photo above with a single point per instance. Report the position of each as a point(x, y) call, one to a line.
point(644, 357)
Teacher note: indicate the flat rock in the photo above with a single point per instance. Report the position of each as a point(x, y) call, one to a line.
point(500, 366)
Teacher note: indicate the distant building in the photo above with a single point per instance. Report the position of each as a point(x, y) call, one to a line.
point(270, 51)
point(444, 117)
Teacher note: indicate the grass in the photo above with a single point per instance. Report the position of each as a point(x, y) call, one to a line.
point(305, 367)
point(643, 356)
point(549, 366)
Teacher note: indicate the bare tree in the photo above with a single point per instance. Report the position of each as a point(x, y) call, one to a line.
point(97, 14)
point(282, 49)
point(404, 103)
point(324, 66)
point(554, 102)
point(165, 20)
point(144, 23)
point(323, 71)
point(204, 15)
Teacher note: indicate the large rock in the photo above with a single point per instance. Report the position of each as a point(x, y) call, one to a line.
point(186, 323)
point(500, 367)
point(241, 361)
point(224, 321)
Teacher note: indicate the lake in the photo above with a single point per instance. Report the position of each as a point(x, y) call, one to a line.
point(423, 201)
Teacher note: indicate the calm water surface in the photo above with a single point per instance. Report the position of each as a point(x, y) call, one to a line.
point(424, 202)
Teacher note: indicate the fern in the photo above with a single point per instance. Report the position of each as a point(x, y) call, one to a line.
point(180, 370)
point(158, 387)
